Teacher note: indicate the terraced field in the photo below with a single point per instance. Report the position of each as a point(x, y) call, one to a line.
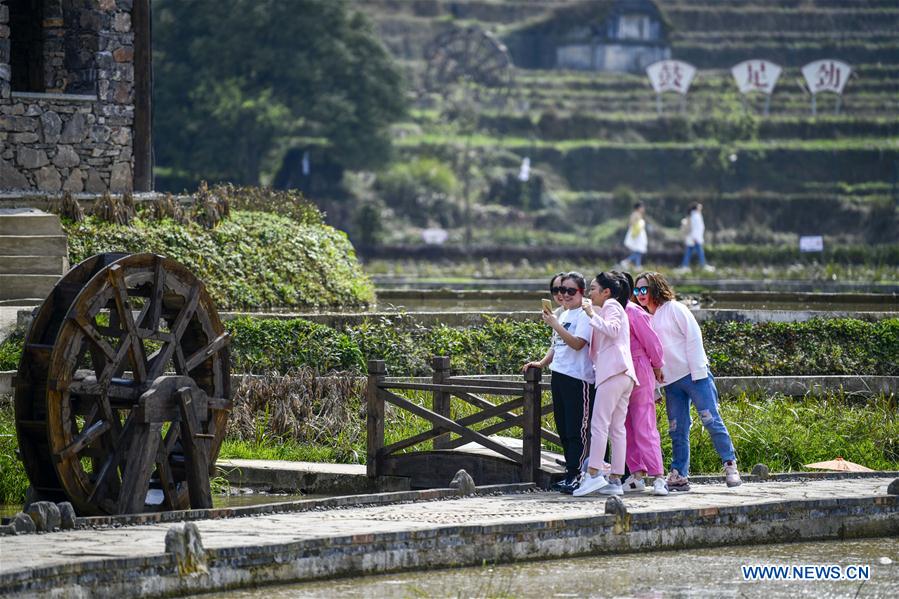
point(590, 135)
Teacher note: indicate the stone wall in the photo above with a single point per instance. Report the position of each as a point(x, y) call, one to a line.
point(65, 142)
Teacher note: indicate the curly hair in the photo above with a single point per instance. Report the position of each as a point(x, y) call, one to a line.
point(659, 289)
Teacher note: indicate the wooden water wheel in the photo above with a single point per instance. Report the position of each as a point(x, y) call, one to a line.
point(123, 393)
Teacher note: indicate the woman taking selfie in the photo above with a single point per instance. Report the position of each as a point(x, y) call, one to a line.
point(572, 374)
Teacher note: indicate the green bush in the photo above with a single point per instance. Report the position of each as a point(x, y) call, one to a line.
point(833, 346)
point(268, 345)
point(251, 260)
point(420, 189)
point(11, 351)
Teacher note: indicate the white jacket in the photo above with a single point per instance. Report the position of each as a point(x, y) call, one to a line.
point(681, 342)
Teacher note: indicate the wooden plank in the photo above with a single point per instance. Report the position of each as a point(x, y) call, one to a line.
point(159, 360)
point(103, 481)
point(94, 336)
point(196, 452)
point(484, 382)
point(87, 436)
point(463, 432)
point(466, 421)
point(480, 402)
point(116, 275)
point(203, 354)
point(454, 389)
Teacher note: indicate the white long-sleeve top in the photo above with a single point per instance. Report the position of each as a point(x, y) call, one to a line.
point(681, 342)
point(697, 227)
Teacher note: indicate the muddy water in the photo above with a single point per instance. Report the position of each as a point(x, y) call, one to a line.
point(694, 573)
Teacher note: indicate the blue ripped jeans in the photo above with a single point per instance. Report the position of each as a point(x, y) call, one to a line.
point(704, 395)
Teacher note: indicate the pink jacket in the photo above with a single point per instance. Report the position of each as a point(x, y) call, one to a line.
point(644, 341)
point(610, 348)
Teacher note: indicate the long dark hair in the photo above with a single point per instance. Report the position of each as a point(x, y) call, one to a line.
point(615, 283)
point(629, 281)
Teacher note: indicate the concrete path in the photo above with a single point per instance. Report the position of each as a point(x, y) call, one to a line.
point(540, 509)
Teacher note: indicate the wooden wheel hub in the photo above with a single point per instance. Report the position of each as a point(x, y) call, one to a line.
point(123, 392)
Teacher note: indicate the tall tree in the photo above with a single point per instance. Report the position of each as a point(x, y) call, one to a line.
point(237, 80)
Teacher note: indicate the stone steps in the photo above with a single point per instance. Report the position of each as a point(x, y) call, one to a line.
point(33, 254)
point(15, 287)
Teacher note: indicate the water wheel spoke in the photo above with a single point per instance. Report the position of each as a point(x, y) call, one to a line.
point(94, 337)
point(205, 353)
point(157, 366)
point(103, 482)
point(87, 437)
point(132, 336)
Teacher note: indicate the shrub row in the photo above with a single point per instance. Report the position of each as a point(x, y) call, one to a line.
point(840, 346)
point(251, 260)
point(833, 346)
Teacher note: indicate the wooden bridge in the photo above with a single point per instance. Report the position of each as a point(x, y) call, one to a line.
point(455, 443)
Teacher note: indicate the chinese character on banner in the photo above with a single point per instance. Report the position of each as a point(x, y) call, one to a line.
point(756, 76)
point(826, 75)
point(671, 76)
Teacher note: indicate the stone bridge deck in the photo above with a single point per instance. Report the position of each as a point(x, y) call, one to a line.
point(352, 540)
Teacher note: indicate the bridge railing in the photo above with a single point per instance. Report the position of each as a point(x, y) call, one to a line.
point(526, 396)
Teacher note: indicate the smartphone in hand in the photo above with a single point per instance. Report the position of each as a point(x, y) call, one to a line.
point(547, 306)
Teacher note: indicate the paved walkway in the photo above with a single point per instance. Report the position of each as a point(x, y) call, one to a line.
point(28, 552)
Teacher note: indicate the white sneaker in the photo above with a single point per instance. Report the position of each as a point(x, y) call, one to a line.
point(659, 487)
point(589, 484)
point(731, 475)
point(612, 488)
point(634, 485)
point(708, 268)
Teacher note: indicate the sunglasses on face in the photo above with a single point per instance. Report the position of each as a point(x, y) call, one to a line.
point(641, 290)
point(572, 291)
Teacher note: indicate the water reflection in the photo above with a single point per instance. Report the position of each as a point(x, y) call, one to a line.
point(695, 573)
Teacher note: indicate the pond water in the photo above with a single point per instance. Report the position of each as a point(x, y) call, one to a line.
point(695, 573)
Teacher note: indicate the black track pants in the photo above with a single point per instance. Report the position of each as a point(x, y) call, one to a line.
point(572, 408)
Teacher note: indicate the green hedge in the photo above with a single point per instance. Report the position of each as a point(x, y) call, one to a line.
point(838, 346)
point(818, 346)
point(251, 260)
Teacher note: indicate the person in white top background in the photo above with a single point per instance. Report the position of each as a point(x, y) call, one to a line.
point(695, 237)
point(687, 379)
point(636, 239)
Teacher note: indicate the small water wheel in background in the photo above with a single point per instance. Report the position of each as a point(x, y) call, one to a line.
point(123, 391)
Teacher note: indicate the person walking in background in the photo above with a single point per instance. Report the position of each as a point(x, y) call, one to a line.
point(572, 374)
point(636, 239)
point(694, 228)
point(610, 352)
point(644, 446)
point(687, 379)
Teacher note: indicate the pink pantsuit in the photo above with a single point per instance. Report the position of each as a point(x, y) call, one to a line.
point(644, 446)
point(610, 351)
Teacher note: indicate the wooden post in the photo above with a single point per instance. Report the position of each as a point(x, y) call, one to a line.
point(375, 416)
point(441, 405)
point(530, 456)
point(196, 453)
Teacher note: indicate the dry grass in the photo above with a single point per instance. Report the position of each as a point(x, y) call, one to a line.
point(300, 407)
